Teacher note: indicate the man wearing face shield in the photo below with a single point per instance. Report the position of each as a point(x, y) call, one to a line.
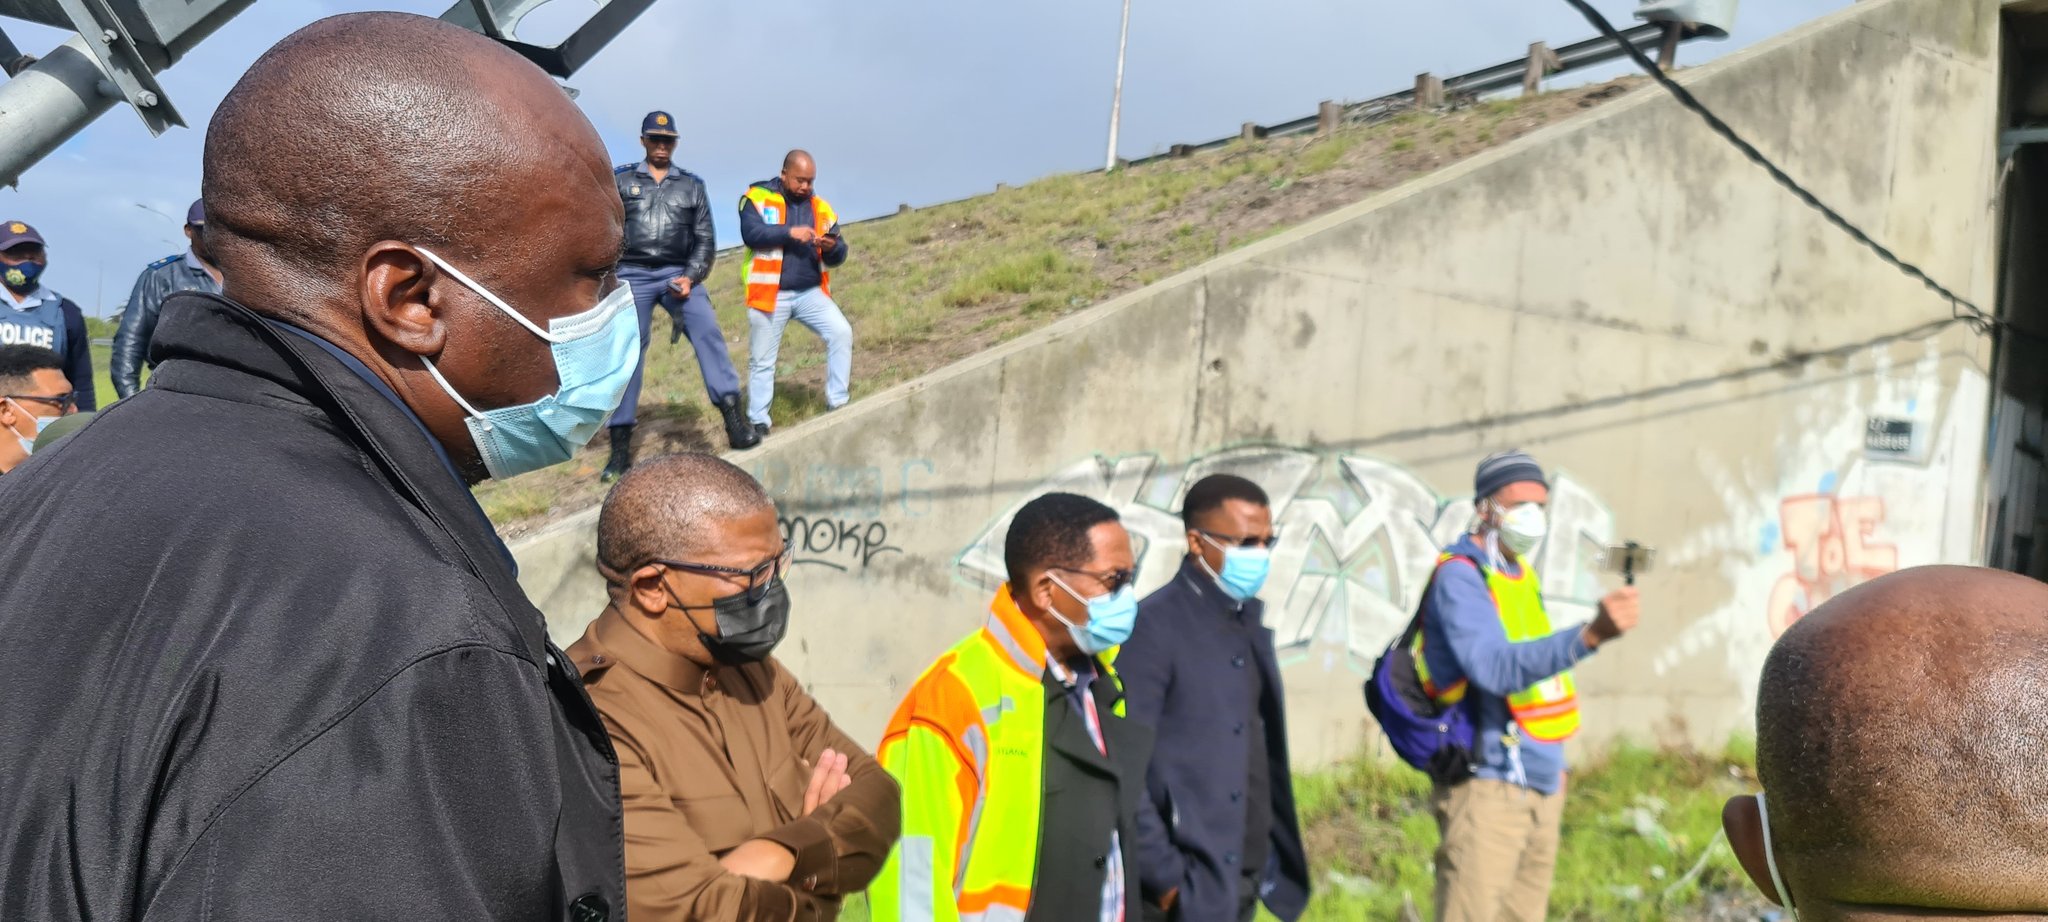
point(1487, 645)
point(742, 800)
point(1021, 774)
point(1898, 744)
point(313, 688)
point(1218, 834)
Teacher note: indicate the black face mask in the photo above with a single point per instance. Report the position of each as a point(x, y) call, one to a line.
point(748, 631)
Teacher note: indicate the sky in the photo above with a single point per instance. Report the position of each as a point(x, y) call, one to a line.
point(901, 101)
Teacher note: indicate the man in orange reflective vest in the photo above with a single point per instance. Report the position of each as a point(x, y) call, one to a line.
point(1487, 644)
point(793, 243)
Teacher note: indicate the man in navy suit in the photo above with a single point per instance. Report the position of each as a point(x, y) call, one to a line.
point(1217, 835)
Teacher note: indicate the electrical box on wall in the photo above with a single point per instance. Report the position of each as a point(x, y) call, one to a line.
point(1712, 18)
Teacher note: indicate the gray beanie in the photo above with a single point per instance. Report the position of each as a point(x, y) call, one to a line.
point(1503, 468)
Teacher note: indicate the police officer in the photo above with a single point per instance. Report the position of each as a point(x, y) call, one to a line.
point(669, 251)
point(192, 270)
point(33, 315)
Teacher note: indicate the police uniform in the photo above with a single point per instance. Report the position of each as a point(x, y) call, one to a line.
point(42, 317)
point(158, 281)
point(669, 236)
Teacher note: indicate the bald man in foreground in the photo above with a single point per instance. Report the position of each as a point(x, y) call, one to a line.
point(1900, 745)
point(744, 803)
point(302, 681)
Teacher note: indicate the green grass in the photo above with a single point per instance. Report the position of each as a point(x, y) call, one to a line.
point(1636, 821)
point(936, 285)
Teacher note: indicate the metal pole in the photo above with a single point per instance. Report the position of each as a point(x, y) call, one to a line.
point(43, 106)
point(1116, 101)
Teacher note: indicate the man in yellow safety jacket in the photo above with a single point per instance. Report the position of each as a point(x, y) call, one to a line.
point(1020, 776)
point(1487, 644)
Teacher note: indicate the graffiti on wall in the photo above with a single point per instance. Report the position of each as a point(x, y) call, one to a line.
point(1359, 537)
point(1834, 546)
point(841, 544)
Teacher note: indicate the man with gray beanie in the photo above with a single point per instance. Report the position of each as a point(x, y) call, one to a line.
point(1486, 646)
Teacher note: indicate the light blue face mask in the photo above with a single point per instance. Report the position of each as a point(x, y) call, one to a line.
point(1111, 616)
point(1244, 568)
point(28, 445)
point(594, 352)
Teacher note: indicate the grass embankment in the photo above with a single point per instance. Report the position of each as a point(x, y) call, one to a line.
point(1641, 841)
point(934, 286)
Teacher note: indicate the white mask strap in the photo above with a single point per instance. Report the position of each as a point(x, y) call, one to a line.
point(486, 294)
point(445, 386)
point(1771, 857)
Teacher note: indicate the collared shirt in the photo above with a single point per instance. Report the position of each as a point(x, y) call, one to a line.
point(1079, 685)
point(709, 759)
point(41, 294)
point(369, 377)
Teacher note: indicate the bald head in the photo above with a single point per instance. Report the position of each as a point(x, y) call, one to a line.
point(1900, 741)
point(365, 154)
point(675, 507)
point(379, 126)
point(799, 174)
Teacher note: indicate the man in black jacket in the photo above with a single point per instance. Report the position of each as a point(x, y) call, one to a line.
point(670, 246)
point(1218, 834)
point(187, 271)
point(303, 682)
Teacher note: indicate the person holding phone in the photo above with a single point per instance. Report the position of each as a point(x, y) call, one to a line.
point(1488, 645)
point(793, 243)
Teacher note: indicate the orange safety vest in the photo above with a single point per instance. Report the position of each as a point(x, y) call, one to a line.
point(1548, 710)
point(764, 269)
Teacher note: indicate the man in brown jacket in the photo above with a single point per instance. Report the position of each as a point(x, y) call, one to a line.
point(742, 800)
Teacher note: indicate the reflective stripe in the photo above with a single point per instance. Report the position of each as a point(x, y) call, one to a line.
point(994, 914)
point(763, 278)
point(914, 876)
point(977, 743)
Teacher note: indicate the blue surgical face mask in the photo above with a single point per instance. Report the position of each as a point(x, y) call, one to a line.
point(595, 352)
point(1110, 618)
point(1244, 569)
point(28, 445)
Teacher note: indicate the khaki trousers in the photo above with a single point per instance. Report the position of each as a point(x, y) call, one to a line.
point(1498, 852)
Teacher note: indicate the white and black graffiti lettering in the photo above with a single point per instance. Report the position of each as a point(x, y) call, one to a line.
point(1359, 537)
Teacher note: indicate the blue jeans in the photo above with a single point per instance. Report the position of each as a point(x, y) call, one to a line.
point(694, 318)
point(812, 308)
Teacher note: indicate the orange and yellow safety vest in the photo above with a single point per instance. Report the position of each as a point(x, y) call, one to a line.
point(764, 269)
point(967, 746)
point(1546, 711)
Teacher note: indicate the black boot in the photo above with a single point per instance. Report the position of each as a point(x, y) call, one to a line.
point(622, 453)
point(737, 431)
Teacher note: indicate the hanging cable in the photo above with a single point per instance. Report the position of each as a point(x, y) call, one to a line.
point(1960, 307)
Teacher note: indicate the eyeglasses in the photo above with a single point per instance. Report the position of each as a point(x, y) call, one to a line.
point(64, 402)
point(1112, 580)
point(759, 577)
point(1224, 540)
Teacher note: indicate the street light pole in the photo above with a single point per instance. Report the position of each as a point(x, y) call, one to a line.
point(1116, 101)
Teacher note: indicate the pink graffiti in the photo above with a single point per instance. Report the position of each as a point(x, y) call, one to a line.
point(1829, 537)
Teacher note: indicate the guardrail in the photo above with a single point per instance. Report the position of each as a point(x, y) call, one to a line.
point(1429, 92)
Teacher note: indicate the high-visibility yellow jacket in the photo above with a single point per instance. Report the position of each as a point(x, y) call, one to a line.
point(1546, 711)
point(764, 269)
point(967, 746)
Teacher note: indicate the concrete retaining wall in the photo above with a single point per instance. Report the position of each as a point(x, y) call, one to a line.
point(1696, 354)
